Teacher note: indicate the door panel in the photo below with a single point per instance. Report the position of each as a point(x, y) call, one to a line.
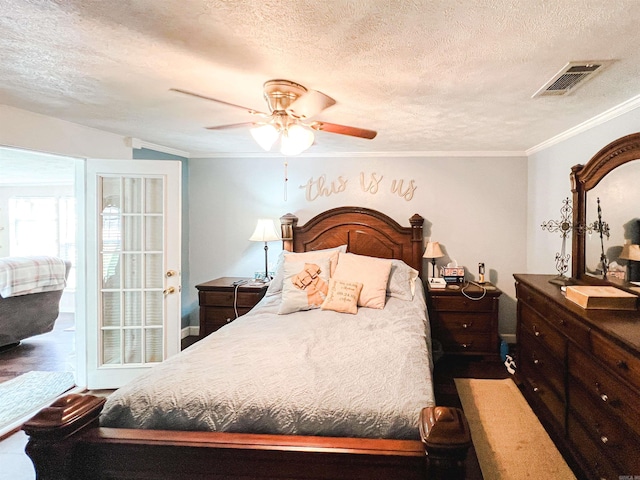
point(134, 305)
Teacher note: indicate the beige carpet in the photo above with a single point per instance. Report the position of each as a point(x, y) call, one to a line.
point(508, 438)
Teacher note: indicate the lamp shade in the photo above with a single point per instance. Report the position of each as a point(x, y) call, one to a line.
point(433, 250)
point(265, 135)
point(296, 139)
point(265, 231)
point(630, 251)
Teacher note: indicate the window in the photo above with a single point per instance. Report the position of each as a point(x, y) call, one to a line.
point(44, 226)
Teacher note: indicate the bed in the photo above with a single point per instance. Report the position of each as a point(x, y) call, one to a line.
point(146, 432)
point(30, 292)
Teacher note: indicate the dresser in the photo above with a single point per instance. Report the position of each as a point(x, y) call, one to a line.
point(466, 325)
point(580, 372)
point(221, 302)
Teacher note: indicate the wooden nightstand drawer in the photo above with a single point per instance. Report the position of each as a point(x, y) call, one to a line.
point(472, 322)
point(469, 343)
point(245, 299)
point(461, 303)
point(220, 301)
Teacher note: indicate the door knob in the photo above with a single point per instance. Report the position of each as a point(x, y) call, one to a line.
point(171, 273)
point(168, 291)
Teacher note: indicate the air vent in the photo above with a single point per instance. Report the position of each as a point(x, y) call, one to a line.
point(571, 75)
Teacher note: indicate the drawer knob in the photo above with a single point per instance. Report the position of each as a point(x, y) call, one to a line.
point(604, 439)
point(466, 345)
point(228, 320)
point(622, 365)
point(536, 361)
point(604, 397)
point(536, 389)
point(467, 325)
point(536, 332)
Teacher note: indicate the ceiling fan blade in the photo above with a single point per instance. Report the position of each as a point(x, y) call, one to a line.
point(231, 125)
point(250, 110)
point(344, 130)
point(309, 104)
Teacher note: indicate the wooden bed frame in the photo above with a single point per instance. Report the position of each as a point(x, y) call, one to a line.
point(66, 442)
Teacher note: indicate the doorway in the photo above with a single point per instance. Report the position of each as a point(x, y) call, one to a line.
point(38, 217)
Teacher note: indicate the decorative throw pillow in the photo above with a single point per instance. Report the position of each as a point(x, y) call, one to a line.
point(305, 284)
point(372, 272)
point(342, 296)
point(402, 281)
point(331, 253)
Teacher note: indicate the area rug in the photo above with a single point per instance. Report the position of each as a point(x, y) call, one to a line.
point(509, 440)
point(29, 392)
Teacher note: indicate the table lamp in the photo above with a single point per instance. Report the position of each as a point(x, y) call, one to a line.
point(265, 232)
point(630, 252)
point(432, 252)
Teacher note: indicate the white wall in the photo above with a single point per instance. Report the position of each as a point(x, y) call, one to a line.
point(549, 184)
point(475, 207)
point(22, 129)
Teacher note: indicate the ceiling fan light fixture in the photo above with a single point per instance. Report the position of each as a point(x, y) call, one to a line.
point(265, 135)
point(296, 139)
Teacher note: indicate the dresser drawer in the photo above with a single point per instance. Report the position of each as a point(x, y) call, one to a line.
point(476, 322)
point(533, 299)
point(610, 436)
point(575, 330)
point(626, 365)
point(533, 324)
point(213, 318)
point(225, 298)
point(612, 396)
point(460, 303)
point(537, 389)
point(535, 357)
point(596, 464)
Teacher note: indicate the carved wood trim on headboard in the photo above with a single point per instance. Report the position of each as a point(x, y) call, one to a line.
point(363, 230)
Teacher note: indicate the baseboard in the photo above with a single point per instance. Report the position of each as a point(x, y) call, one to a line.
point(510, 338)
point(190, 331)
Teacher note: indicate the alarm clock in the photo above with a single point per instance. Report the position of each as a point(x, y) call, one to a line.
point(452, 274)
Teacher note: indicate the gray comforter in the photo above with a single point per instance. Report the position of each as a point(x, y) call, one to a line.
point(307, 373)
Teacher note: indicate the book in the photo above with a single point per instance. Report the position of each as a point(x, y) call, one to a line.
point(601, 297)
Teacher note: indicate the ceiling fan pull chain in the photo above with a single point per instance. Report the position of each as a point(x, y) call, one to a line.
point(286, 179)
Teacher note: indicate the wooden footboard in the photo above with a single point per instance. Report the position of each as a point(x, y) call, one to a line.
point(65, 442)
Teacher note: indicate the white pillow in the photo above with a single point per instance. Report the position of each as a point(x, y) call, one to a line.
point(402, 281)
point(331, 253)
point(305, 284)
point(372, 272)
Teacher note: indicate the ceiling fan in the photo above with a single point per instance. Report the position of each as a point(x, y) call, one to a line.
point(290, 106)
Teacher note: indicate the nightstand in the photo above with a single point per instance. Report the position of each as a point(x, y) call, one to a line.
point(464, 326)
point(216, 299)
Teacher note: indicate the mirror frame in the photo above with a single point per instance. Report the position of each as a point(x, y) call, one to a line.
point(586, 177)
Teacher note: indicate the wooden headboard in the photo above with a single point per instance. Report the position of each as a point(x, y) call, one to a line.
point(364, 231)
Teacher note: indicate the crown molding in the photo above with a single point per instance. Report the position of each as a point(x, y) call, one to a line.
point(424, 154)
point(605, 116)
point(138, 144)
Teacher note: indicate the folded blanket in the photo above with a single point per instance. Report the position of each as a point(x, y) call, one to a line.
point(25, 275)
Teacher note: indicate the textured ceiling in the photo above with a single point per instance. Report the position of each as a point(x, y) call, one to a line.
point(439, 75)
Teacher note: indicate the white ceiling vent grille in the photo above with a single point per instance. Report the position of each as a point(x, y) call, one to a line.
point(571, 75)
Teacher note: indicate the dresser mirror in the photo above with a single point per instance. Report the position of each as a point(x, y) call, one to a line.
point(606, 216)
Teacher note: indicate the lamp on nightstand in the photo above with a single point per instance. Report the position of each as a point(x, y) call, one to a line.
point(432, 252)
point(265, 232)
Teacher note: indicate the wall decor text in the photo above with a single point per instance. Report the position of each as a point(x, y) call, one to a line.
point(371, 183)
